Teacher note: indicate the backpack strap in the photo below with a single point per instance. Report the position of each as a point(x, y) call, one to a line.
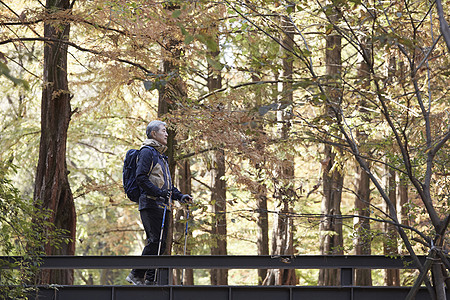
point(154, 157)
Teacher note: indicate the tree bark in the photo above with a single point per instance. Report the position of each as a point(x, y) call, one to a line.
point(362, 242)
point(260, 192)
point(184, 184)
point(263, 230)
point(173, 91)
point(331, 240)
point(219, 230)
point(283, 227)
point(363, 277)
point(392, 276)
point(282, 244)
point(52, 190)
point(218, 192)
point(332, 178)
point(402, 208)
point(390, 245)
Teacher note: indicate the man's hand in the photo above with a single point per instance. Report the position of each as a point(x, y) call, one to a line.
point(186, 199)
point(165, 194)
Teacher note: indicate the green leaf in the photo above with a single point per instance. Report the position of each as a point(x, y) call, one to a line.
point(183, 30)
point(189, 38)
point(215, 64)
point(208, 41)
point(211, 44)
point(290, 8)
point(176, 13)
point(4, 70)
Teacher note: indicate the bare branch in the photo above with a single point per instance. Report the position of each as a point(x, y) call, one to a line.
point(445, 30)
point(237, 86)
point(181, 157)
point(43, 39)
point(440, 144)
point(96, 149)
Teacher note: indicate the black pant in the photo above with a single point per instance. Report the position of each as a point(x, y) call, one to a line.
point(152, 219)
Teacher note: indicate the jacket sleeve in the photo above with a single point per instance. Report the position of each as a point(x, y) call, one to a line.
point(145, 163)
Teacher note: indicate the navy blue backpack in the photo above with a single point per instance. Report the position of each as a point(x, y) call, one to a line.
point(129, 175)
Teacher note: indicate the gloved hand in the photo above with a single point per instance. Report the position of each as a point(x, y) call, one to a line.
point(165, 194)
point(186, 199)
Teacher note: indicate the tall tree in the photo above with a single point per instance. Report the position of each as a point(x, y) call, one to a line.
point(390, 245)
point(362, 242)
point(262, 241)
point(283, 229)
point(218, 184)
point(52, 190)
point(173, 90)
point(332, 177)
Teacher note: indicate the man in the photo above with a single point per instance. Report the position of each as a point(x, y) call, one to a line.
point(157, 191)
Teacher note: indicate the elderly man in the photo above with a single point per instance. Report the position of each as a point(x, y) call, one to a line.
point(157, 191)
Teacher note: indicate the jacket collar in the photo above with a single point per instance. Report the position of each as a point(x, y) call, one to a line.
point(155, 144)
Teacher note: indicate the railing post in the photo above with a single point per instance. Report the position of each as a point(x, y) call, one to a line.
point(346, 276)
point(163, 276)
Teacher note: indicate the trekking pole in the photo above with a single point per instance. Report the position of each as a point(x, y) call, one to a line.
point(161, 237)
point(185, 240)
point(162, 230)
point(162, 223)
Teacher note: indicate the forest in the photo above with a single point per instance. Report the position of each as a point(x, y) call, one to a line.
point(299, 128)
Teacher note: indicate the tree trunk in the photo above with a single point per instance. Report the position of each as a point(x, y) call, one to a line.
point(218, 192)
point(332, 178)
point(173, 91)
point(260, 192)
point(283, 229)
point(263, 229)
point(363, 277)
point(52, 190)
point(390, 245)
point(392, 276)
point(362, 242)
point(331, 240)
point(219, 229)
point(185, 277)
point(402, 208)
point(282, 244)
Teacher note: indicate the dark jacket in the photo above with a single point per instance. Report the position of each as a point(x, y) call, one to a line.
point(153, 176)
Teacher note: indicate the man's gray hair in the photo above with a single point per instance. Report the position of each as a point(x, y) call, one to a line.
point(153, 126)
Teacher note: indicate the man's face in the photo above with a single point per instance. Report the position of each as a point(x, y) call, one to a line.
point(160, 135)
